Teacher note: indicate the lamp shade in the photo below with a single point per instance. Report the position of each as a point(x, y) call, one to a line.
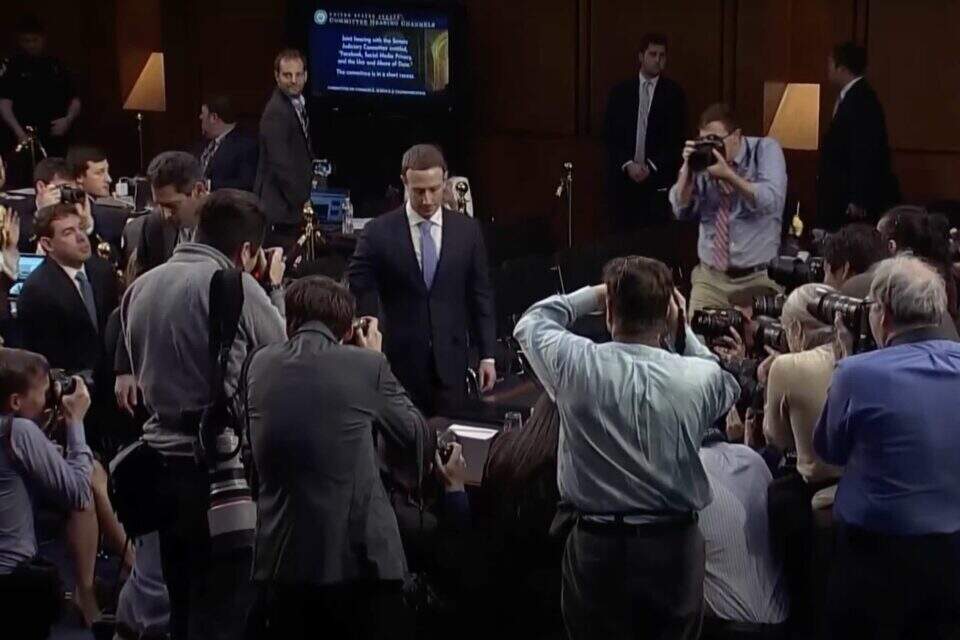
point(149, 93)
point(795, 123)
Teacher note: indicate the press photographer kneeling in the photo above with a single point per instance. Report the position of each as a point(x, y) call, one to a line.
point(30, 591)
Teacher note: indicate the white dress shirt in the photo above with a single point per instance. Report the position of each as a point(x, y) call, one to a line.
point(72, 274)
point(436, 230)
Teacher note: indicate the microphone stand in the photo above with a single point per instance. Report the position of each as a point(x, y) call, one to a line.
point(565, 190)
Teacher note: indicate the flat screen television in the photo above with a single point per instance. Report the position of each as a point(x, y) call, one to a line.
point(382, 54)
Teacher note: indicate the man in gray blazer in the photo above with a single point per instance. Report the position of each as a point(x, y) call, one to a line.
point(285, 163)
point(328, 549)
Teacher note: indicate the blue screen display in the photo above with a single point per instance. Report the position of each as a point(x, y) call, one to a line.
point(380, 52)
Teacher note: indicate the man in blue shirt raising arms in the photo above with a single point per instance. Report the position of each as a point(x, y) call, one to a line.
point(633, 413)
point(891, 420)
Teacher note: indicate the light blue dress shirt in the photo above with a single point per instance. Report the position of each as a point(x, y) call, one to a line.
point(631, 416)
point(755, 229)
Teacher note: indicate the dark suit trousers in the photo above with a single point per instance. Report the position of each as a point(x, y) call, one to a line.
point(634, 582)
point(894, 587)
point(210, 594)
point(427, 391)
point(357, 611)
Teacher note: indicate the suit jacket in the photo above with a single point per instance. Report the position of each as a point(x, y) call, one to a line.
point(855, 160)
point(426, 331)
point(158, 239)
point(54, 320)
point(234, 165)
point(324, 516)
point(663, 146)
point(285, 164)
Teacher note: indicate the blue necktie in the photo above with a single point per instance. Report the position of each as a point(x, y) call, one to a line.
point(86, 293)
point(428, 253)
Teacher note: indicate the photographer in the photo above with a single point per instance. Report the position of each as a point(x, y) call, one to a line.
point(329, 552)
point(849, 256)
point(891, 420)
point(30, 463)
point(735, 186)
point(165, 319)
point(632, 415)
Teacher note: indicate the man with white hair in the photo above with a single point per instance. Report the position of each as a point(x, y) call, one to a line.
point(891, 420)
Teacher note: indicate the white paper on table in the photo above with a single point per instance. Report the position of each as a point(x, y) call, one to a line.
point(476, 446)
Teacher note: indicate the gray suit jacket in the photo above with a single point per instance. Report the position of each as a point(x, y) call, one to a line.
point(285, 163)
point(324, 516)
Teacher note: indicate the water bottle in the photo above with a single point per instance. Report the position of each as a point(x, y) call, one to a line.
point(347, 228)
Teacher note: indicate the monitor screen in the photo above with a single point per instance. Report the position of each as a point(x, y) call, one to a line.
point(28, 262)
point(328, 205)
point(380, 52)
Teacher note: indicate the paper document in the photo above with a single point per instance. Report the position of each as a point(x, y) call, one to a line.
point(476, 446)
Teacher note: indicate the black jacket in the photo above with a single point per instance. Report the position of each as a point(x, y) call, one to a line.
point(54, 319)
point(158, 239)
point(234, 165)
point(855, 160)
point(664, 141)
point(426, 331)
point(285, 163)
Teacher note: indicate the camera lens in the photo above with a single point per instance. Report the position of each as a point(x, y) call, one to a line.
point(714, 323)
point(770, 333)
point(770, 306)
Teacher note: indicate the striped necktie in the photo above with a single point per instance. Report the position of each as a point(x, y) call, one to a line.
point(643, 113)
point(721, 229)
point(207, 155)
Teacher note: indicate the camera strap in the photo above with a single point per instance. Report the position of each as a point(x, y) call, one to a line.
point(226, 304)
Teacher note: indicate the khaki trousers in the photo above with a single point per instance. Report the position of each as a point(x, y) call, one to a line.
point(713, 288)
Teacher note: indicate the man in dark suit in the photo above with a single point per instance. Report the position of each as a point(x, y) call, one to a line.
point(91, 171)
point(429, 267)
point(328, 548)
point(856, 181)
point(229, 160)
point(48, 176)
point(644, 134)
point(285, 164)
point(64, 305)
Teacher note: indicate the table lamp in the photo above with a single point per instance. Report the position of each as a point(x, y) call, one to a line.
point(149, 93)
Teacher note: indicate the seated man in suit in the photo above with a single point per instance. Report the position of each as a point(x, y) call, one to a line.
point(429, 267)
point(643, 131)
point(64, 305)
point(229, 159)
point(91, 171)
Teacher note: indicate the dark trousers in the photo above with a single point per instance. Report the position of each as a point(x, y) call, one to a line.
point(358, 611)
point(891, 587)
point(210, 591)
point(633, 582)
point(30, 601)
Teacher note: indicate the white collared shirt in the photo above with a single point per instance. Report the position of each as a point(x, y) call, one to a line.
point(846, 88)
point(72, 274)
point(653, 83)
point(436, 230)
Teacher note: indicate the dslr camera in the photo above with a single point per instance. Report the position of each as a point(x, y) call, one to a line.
point(72, 195)
point(769, 333)
point(702, 155)
point(854, 313)
point(769, 306)
point(791, 272)
point(713, 323)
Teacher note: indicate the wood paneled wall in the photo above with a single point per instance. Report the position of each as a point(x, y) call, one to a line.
point(539, 73)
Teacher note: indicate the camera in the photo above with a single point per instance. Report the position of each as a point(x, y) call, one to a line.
point(791, 272)
point(712, 323)
point(232, 515)
point(854, 313)
point(770, 333)
point(702, 155)
point(770, 306)
point(445, 442)
point(72, 195)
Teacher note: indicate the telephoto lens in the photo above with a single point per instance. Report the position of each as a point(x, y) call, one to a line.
point(791, 272)
point(714, 323)
point(854, 313)
point(770, 333)
point(770, 306)
point(232, 515)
